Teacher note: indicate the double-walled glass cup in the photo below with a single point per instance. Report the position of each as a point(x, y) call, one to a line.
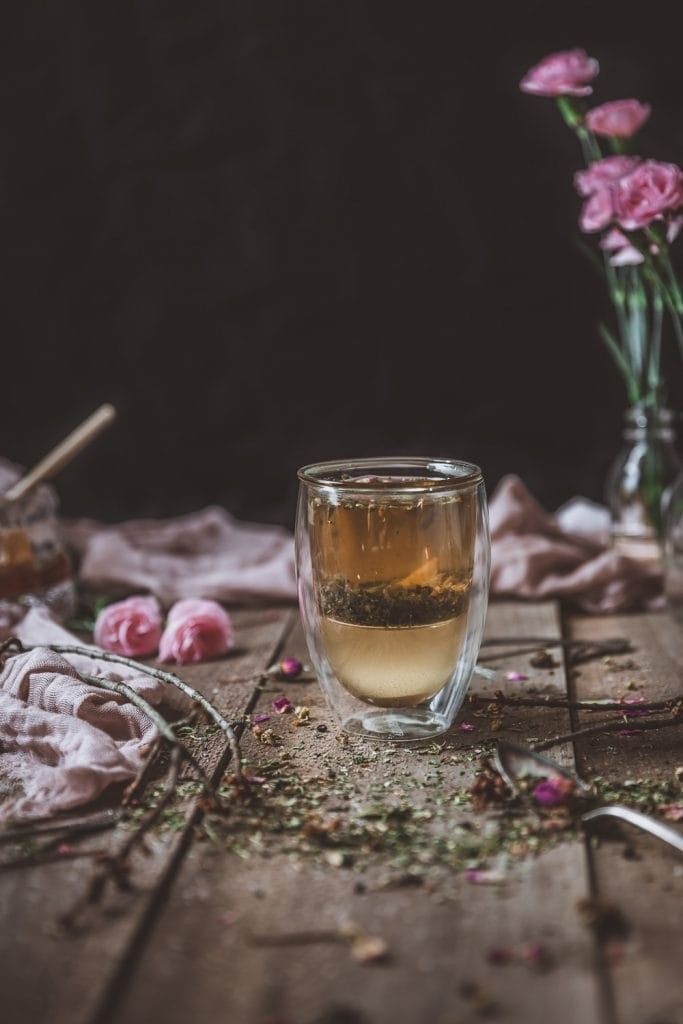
point(393, 569)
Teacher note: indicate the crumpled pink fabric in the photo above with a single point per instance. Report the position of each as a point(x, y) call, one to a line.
point(62, 739)
point(206, 554)
point(534, 555)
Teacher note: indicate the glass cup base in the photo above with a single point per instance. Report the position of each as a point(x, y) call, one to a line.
point(397, 725)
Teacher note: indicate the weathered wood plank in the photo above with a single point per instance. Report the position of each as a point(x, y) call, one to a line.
point(639, 875)
point(46, 975)
point(201, 962)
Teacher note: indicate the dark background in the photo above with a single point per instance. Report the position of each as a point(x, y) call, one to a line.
point(276, 232)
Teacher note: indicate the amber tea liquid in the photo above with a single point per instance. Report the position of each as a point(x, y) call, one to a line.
point(393, 576)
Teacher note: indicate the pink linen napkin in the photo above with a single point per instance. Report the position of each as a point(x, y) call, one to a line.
point(534, 555)
point(63, 740)
point(211, 555)
point(207, 554)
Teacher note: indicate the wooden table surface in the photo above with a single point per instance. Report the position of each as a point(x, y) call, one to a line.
point(186, 943)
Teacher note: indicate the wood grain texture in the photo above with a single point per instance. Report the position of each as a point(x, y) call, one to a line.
point(638, 874)
point(201, 964)
point(47, 975)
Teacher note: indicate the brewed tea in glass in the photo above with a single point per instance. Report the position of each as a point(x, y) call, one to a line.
point(393, 564)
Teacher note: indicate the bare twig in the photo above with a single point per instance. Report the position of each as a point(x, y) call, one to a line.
point(157, 673)
point(302, 938)
point(65, 826)
point(605, 727)
point(115, 867)
point(548, 701)
point(140, 780)
point(577, 651)
point(162, 725)
point(48, 855)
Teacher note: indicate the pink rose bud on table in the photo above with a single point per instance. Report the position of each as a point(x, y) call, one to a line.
point(195, 631)
point(649, 192)
point(619, 119)
point(131, 627)
point(561, 74)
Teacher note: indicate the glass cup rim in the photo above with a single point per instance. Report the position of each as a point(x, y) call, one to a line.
point(459, 474)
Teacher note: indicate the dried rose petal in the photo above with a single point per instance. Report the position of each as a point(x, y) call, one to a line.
point(255, 719)
point(281, 705)
point(672, 812)
point(632, 712)
point(553, 791)
point(630, 732)
point(516, 677)
point(484, 876)
point(466, 727)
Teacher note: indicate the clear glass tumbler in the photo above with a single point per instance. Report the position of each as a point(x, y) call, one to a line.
point(393, 570)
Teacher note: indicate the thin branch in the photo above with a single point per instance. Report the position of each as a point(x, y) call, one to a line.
point(303, 938)
point(66, 826)
point(604, 727)
point(115, 867)
point(577, 651)
point(163, 676)
point(162, 725)
point(48, 855)
point(543, 701)
point(140, 780)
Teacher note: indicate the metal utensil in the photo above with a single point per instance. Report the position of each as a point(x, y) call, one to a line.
point(514, 761)
point(643, 821)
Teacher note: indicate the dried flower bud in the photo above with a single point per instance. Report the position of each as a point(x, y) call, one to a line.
point(290, 668)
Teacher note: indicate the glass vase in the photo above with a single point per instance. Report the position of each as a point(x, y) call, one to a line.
point(393, 572)
point(640, 481)
point(673, 551)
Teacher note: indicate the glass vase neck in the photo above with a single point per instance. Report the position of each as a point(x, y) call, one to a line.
point(655, 422)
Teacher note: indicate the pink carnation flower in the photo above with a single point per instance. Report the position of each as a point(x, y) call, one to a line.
point(597, 212)
point(619, 119)
point(596, 183)
point(131, 627)
point(195, 631)
point(649, 192)
point(623, 253)
point(602, 173)
point(626, 255)
point(561, 74)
